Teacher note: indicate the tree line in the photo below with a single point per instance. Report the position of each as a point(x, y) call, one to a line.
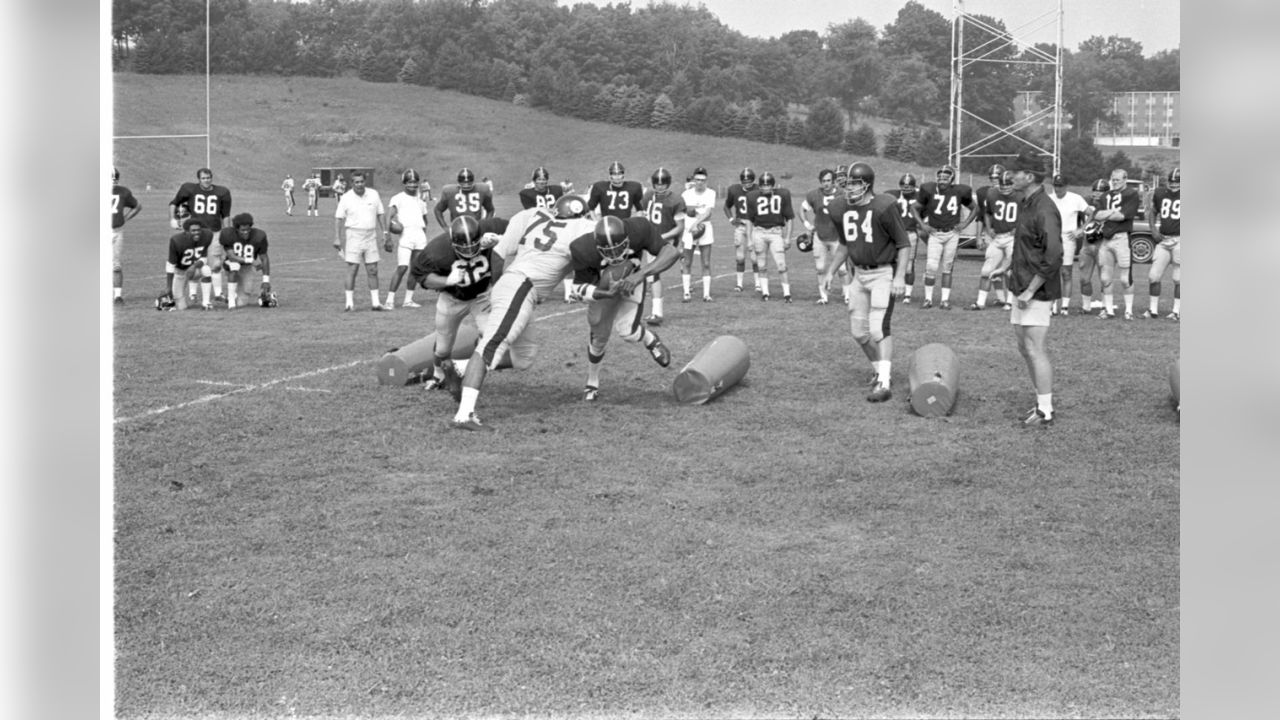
point(661, 66)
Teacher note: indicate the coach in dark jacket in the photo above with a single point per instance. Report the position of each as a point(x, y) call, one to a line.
point(1034, 278)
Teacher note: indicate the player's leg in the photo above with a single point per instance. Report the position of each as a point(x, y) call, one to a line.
point(411, 284)
point(349, 282)
point(951, 242)
point(1031, 329)
point(990, 261)
point(913, 238)
point(600, 322)
point(1124, 272)
point(1176, 259)
point(778, 252)
point(512, 307)
point(655, 285)
point(860, 322)
point(117, 266)
point(1088, 262)
point(704, 252)
point(879, 315)
point(999, 276)
point(1160, 261)
point(403, 254)
point(686, 265)
point(759, 262)
point(739, 254)
point(1064, 275)
point(932, 262)
point(1107, 273)
point(822, 266)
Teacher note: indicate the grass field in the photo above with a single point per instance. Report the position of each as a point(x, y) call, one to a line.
point(292, 539)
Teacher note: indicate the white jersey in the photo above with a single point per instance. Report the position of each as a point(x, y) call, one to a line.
point(699, 202)
point(540, 243)
point(409, 211)
point(1068, 205)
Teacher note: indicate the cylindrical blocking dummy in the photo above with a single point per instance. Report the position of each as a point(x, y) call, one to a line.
point(402, 365)
point(716, 368)
point(934, 374)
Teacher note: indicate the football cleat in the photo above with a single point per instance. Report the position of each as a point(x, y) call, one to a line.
point(1172, 316)
point(974, 306)
point(660, 353)
point(687, 297)
point(737, 288)
point(1150, 315)
point(433, 383)
point(409, 304)
point(471, 424)
point(707, 298)
point(590, 393)
point(823, 300)
point(786, 299)
point(764, 296)
point(1128, 315)
point(268, 300)
point(1065, 312)
point(165, 302)
point(220, 299)
point(926, 304)
point(879, 393)
point(118, 300)
point(654, 320)
point(377, 308)
point(207, 306)
point(348, 308)
point(1105, 314)
point(1007, 306)
point(945, 305)
point(1037, 419)
point(906, 299)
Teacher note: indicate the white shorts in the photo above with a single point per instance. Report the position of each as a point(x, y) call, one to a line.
point(413, 238)
point(708, 238)
point(1036, 314)
point(362, 246)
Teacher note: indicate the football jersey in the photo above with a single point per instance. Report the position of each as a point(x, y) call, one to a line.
point(311, 185)
point(476, 202)
point(185, 250)
point(411, 210)
point(940, 207)
point(735, 200)
point(872, 233)
point(121, 198)
point(663, 211)
point(208, 206)
point(818, 201)
point(1000, 212)
point(439, 258)
point(250, 249)
point(769, 210)
point(536, 245)
point(620, 201)
point(587, 262)
point(530, 197)
point(907, 207)
point(1168, 210)
point(1127, 201)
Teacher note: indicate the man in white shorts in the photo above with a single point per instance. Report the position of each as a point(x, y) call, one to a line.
point(699, 202)
point(408, 214)
point(358, 221)
point(1072, 208)
point(1035, 279)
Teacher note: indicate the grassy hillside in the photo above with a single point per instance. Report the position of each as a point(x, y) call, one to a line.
point(263, 128)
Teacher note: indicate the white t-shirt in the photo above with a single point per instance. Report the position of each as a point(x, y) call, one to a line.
point(1068, 206)
point(361, 211)
point(699, 201)
point(409, 211)
point(541, 246)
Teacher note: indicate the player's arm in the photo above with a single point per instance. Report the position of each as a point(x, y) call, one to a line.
point(891, 223)
point(788, 216)
point(966, 203)
point(1153, 219)
point(264, 261)
point(486, 206)
point(339, 226)
point(439, 211)
point(807, 215)
point(131, 210)
point(728, 207)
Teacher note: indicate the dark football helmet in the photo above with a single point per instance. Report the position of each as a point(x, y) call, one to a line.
point(540, 179)
point(1099, 187)
point(945, 176)
point(661, 181)
point(616, 173)
point(909, 185)
point(466, 180)
point(570, 206)
point(842, 175)
point(995, 173)
point(804, 242)
point(611, 239)
point(862, 180)
point(410, 176)
point(768, 182)
point(747, 177)
point(1005, 182)
point(1174, 181)
point(268, 299)
point(165, 301)
point(464, 233)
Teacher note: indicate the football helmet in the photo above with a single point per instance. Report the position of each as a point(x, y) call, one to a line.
point(616, 173)
point(464, 234)
point(268, 299)
point(1099, 186)
point(165, 301)
point(540, 179)
point(945, 175)
point(570, 206)
point(747, 177)
point(466, 180)
point(995, 173)
point(611, 239)
point(1174, 181)
point(862, 178)
point(1005, 182)
point(1092, 230)
point(909, 185)
point(661, 181)
point(842, 175)
point(804, 242)
point(768, 182)
point(115, 176)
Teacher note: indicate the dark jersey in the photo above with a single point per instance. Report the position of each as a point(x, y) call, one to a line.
point(121, 198)
point(823, 227)
point(735, 200)
point(1127, 201)
point(585, 257)
point(530, 197)
point(872, 233)
point(251, 249)
point(769, 210)
point(906, 205)
point(940, 207)
point(476, 202)
point(999, 212)
point(1037, 246)
point(185, 250)
point(208, 206)
point(620, 201)
point(663, 211)
point(439, 258)
point(1168, 210)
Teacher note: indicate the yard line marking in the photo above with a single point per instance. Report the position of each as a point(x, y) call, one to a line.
point(237, 391)
point(306, 389)
point(220, 382)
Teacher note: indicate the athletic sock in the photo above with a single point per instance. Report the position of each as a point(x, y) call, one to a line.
point(1045, 404)
point(706, 286)
point(373, 297)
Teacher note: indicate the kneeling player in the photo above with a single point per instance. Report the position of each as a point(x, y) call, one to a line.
point(245, 250)
point(187, 264)
point(618, 308)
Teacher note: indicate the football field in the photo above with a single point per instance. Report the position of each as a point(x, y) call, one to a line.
point(293, 539)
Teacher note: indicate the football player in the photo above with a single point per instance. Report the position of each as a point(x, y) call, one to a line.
point(408, 213)
point(872, 240)
point(813, 213)
point(535, 257)
point(735, 208)
point(905, 196)
point(1119, 208)
point(615, 241)
point(1001, 209)
point(464, 198)
point(244, 248)
point(312, 186)
point(124, 206)
point(358, 221)
point(616, 196)
point(1165, 216)
point(208, 203)
point(666, 211)
point(340, 186)
point(768, 222)
point(287, 187)
point(461, 265)
point(699, 203)
point(187, 264)
point(1074, 211)
point(941, 205)
point(540, 192)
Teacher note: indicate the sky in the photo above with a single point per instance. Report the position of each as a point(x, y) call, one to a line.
point(1154, 23)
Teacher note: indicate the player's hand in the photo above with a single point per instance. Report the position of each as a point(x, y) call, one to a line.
point(899, 287)
point(605, 294)
point(627, 284)
point(786, 244)
point(388, 243)
point(1023, 299)
point(173, 223)
point(456, 276)
point(489, 240)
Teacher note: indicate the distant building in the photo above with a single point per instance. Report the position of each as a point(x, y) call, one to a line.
point(1143, 119)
